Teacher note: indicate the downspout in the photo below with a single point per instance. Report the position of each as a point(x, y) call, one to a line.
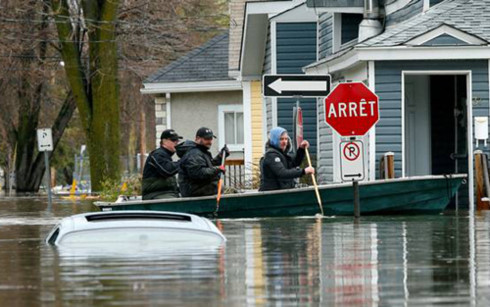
point(370, 26)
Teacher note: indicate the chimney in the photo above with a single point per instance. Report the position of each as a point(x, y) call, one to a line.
point(370, 26)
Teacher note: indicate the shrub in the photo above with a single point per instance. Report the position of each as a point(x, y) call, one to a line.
point(130, 186)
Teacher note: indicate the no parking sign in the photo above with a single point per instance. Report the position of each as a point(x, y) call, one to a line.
point(352, 160)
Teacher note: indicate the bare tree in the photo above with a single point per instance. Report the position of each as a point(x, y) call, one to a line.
point(107, 48)
point(25, 88)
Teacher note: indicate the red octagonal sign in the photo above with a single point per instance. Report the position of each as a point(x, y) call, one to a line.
point(351, 109)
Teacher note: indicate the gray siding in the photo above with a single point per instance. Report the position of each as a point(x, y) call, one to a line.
point(325, 157)
point(444, 39)
point(268, 109)
point(296, 47)
point(411, 9)
point(388, 88)
point(267, 60)
point(325, 28)
point(267, 69)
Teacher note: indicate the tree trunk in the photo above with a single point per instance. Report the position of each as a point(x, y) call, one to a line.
point(95, 90)
point(29, 176)
point(26, 137)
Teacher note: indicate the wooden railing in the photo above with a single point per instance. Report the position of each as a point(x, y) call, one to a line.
point(235, 173)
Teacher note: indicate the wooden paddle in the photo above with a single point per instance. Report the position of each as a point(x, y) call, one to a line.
point(314, 182)
point(220, 182)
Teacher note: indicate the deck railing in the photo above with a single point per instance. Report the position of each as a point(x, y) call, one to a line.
point(235, 173)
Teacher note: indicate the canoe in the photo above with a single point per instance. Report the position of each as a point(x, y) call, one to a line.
point(411, 195)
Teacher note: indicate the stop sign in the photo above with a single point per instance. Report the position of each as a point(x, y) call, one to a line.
point(351, 109)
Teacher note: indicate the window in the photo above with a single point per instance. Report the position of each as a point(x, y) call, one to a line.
point(345, 29)
point(231, 131)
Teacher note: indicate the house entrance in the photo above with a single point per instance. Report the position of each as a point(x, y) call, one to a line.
point(435, 125)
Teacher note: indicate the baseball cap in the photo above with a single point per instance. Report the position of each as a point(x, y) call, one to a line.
point(170, 134)
point(205, 133)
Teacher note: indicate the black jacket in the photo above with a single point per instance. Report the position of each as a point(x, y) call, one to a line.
point(278, 170)
point(198, 175)
point(159, 174)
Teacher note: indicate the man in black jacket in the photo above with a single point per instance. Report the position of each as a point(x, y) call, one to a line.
point(278, 169)
point(199, 171)
point(159, 173)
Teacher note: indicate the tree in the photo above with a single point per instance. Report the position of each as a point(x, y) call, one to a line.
point(138, 37)
point(34, 87)
point(25, 87)
point(95, 85)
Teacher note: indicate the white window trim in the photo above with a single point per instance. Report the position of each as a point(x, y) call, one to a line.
point(337, 32)
point(372, 132)
point(221, 125)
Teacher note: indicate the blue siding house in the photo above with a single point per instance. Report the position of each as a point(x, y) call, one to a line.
point(280, 37)
point(428, 62)
point(296, 47)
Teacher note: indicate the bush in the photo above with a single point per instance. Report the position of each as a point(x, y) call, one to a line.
point(130, 186)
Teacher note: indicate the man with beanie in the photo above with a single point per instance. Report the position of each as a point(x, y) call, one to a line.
point(277, 168)
point(199, 171)
point(159, 173)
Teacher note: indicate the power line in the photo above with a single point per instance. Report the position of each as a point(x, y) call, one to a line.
point(83, 20)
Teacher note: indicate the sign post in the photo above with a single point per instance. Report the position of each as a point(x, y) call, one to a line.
point(297, 126)
point(351, 109)
point(45, 143)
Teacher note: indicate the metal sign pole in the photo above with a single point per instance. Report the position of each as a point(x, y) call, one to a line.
point(45, 143)
point(357, 203)
point(48, 179)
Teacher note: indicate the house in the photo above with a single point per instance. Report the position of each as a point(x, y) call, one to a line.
point(278, 37)
point(428, 62)
point(195, 91)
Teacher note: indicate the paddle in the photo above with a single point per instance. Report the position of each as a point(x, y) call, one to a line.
point(220, 182)
point(314, 183)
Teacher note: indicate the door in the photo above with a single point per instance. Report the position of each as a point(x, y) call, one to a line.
point(418, 161)
point(448, 124)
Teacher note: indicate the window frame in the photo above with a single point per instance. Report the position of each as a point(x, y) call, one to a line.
point(222, 109)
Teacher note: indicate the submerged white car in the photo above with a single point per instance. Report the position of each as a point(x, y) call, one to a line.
point(131, 229)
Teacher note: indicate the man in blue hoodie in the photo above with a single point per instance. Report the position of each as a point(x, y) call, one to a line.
point(278, 169)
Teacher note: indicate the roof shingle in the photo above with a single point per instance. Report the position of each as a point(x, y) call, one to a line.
point(209, 62)
point(470, 16)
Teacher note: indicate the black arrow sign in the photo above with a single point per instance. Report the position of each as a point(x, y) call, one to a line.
point(296, 85)
point(353, 175)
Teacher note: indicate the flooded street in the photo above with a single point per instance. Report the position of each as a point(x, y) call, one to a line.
point(395, 261)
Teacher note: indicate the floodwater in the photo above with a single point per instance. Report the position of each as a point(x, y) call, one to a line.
point(385, 261)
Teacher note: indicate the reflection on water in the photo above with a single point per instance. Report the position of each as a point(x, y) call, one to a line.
point(424, 260)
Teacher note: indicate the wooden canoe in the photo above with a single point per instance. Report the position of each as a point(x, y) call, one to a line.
point(411, 195)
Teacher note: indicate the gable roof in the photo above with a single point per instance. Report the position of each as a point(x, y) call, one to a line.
point(469, 16)
point(209, 62)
